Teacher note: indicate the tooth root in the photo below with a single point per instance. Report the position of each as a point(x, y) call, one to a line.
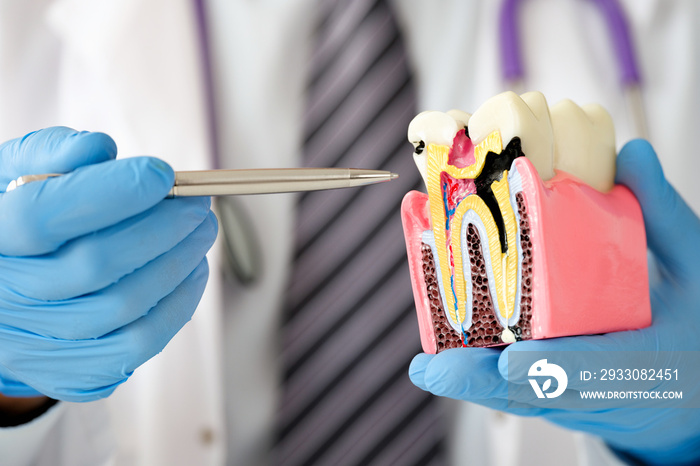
point(526, 117)
point(584, 143)
point(430, 128)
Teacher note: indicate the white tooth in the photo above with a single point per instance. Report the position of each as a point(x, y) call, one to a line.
point(430, 128)
point(433, 128)
point(462, 118)
point(526, 117)
point(584, 143)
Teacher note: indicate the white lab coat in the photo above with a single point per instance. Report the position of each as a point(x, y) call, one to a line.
point(132, 68)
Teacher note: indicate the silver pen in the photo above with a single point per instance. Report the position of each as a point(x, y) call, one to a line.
point(256, 181)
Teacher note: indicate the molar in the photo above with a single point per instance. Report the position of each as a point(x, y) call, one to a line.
point(584, 143)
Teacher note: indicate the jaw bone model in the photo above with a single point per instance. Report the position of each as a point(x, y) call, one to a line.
point(523, 234)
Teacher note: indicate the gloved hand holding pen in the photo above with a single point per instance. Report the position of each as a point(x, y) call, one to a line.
point(657, 436)
point(98, 271)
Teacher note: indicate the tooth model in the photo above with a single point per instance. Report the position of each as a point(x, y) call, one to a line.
point(523, 234)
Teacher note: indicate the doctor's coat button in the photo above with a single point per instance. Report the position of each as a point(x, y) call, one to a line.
point(206, 436)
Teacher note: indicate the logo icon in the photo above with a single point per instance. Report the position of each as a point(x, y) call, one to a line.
point(542, 368)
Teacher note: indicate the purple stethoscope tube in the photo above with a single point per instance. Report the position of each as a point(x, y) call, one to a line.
point(512, 63)
point(619, 30)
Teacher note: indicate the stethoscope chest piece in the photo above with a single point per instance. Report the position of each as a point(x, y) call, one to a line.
point(242, 246)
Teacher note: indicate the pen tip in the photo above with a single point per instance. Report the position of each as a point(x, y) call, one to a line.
point(393, 176)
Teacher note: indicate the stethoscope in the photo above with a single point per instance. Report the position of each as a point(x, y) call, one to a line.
point(242, 247)
point(512, 63)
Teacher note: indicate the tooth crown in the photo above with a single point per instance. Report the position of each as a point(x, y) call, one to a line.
point(584, 143)
point(513, 116)
point(429, 128)
point(495, 181)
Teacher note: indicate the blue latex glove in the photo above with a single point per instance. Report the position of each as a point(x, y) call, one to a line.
point(654, 436)
point(97, 271)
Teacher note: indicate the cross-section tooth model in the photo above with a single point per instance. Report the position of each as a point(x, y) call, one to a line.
point(523, 234)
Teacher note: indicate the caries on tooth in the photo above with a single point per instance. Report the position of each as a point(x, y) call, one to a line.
point(507, 245)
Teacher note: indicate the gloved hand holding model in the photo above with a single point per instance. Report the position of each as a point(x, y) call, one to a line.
point(99, 272)
point(656, 436)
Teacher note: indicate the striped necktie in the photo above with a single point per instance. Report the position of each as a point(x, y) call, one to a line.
point(349, 330)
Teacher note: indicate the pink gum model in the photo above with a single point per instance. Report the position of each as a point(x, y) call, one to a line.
point(589, 266)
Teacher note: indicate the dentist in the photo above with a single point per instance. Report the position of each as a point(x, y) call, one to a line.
point(85, 307)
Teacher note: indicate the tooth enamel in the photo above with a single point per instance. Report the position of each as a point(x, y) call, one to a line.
point(584, 143)
point(462, 118)
point(431, 128)
point(527, 117)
